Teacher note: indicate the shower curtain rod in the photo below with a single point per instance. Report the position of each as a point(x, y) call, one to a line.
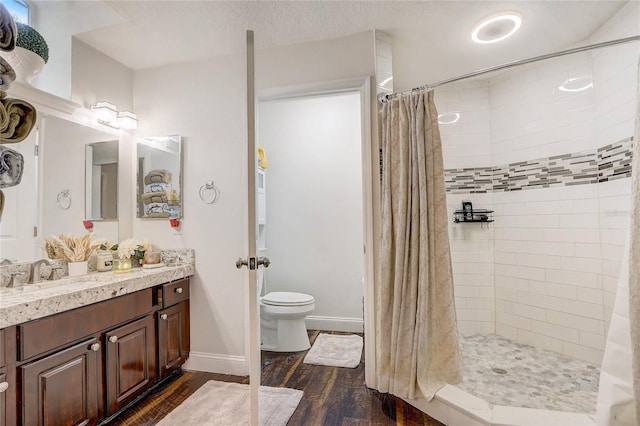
point(386, 97)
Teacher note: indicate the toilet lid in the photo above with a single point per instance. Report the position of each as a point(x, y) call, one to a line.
point(287, 298)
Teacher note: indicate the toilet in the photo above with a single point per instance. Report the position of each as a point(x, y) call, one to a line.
point(282, 326)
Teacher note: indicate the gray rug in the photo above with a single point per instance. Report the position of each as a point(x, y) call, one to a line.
point(224, 404)
point(335, 350)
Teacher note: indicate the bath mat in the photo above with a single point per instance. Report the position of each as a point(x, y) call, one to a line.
point(335, 350)
point(224, 404)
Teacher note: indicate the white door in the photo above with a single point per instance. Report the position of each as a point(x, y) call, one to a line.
point(252, 262)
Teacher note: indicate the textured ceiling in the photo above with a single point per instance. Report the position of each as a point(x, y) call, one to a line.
point(161, 32)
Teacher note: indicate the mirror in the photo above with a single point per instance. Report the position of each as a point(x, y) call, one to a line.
point(159, 178)
point(50, 199)
point(101, 181)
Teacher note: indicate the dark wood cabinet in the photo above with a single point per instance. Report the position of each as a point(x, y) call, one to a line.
point(63, 388)
point(130, 362)
point(82, 366)
point(173, 337)
point(4, 385)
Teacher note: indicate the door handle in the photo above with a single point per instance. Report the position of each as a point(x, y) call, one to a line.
point(241, 262)
point(252, 262)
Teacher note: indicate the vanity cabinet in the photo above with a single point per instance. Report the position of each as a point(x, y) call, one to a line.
point(81, 367)
point(130, 362)
point(63, 388)
point(173, 326)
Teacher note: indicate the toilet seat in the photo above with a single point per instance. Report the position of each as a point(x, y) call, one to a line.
point(287, 298)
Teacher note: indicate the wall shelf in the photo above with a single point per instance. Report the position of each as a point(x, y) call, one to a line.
point(476, 215)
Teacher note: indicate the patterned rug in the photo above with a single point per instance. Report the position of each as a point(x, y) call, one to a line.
point(335, 350)
point(224, 404)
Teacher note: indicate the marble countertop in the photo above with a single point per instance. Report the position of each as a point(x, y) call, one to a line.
point(33, 301)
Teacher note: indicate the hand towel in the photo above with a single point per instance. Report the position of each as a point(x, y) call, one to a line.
point(157, 187)
point(7, 75)
point(157, 176)
point(22, 119)
point(11, 165)
point(157, 210)
point(8, 30)
point(155, 197)
point(1, 204)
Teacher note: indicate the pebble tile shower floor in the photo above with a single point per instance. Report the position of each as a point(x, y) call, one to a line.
point(504, 372)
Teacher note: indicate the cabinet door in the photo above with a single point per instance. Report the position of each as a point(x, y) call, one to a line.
point(130, 362)
point(63, 388)
point(173, 337)
point(4, 385)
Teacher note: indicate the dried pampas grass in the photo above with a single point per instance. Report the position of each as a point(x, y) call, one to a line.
point(70, 248)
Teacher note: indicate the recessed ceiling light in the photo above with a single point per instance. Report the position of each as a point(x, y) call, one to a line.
point(449, 118)
point(496, 28)
point(577, 84)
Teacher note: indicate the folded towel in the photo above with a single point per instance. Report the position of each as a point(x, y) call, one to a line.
point(155, 197)
point(7, 75)
point(158, 215)
point(11, 165)
point(155, 209)
point(157, 176)
point(22, 119)
point(8, 30)
point(157, 187)
point(1, 204)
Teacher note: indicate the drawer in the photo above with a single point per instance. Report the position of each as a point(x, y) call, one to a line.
point(175, 292)
point(40, 336)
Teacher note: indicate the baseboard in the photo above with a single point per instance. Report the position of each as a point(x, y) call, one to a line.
point(216, 363)
point(351, 325)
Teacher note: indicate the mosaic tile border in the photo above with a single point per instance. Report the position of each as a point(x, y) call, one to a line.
point(606, 163)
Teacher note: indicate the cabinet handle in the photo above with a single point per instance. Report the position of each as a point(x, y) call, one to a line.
point(164, 316)
point(178, 290)
point(113, 339)
point(4, 386)
point(95, 347)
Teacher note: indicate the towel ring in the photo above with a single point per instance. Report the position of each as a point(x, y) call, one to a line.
point(64, 199)
point(206, 192)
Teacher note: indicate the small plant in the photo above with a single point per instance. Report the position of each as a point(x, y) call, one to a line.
point(69, 248)
point(30, 39)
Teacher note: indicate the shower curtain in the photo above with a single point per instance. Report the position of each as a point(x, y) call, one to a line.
point(417, 350)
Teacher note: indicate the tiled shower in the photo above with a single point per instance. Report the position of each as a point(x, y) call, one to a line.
point(547, 147)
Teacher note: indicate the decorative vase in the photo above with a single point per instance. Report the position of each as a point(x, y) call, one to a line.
point(77, 269)
point(25, 63)
point(121, 265)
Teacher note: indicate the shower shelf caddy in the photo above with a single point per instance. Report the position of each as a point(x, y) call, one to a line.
point(477, 215)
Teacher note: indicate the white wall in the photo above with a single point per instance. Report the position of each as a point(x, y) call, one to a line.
point(206, 103)
point(57, 22)
point(314, 220)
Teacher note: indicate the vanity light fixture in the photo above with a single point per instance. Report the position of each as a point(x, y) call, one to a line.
point(127, 120)
point(106, 113)
point(496, 28)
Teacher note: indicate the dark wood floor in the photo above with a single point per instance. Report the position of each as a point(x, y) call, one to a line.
point(332, 396)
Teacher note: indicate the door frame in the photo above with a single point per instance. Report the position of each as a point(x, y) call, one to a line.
point(370, 189)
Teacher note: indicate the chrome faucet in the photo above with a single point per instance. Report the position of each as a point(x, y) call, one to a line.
point(34, 276)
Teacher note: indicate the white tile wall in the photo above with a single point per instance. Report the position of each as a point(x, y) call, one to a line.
point(546, 272)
